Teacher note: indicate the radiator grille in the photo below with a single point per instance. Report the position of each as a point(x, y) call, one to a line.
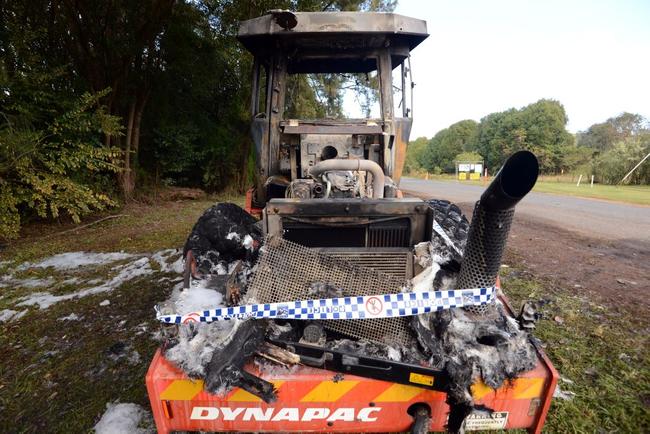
point(389, 235)
point(286, 270)
point(396, 262)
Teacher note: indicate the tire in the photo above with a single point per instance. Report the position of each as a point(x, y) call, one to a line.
point(454, 223)
point(421, 421)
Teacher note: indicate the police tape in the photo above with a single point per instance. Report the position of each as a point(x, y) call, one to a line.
point(356, 307)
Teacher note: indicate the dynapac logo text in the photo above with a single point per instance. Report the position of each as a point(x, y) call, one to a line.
point(285, 414)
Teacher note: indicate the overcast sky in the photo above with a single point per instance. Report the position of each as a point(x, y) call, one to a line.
point(491, 55)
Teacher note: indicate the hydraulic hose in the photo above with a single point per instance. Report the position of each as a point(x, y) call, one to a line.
point(357, 165)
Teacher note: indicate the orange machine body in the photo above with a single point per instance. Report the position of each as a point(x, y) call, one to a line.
point(317, 400)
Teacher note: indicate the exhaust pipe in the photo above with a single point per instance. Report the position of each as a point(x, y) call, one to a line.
point(491, 222)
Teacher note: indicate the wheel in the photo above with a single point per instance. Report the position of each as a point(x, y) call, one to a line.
point(421, 420)
point(454, 224)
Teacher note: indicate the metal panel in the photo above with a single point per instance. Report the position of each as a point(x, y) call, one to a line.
point(395, 261)
point(258, 34)
point(350, 212)
point(333, 129)
point(286, 271)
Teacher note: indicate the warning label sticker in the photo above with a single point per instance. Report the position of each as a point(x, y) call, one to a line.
point(485, 421)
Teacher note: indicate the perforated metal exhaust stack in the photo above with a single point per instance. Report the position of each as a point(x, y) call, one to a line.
point(491, 222)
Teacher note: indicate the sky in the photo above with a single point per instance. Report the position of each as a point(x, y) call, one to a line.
point(492, 55)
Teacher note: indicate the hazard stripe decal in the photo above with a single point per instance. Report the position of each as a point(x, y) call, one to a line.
point(182, 390)
point(329, 391)
point(353, 391)
point(399, 393)
point(240, 395)
point(521, 388)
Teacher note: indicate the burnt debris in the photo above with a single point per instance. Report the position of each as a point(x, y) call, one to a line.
point(226, 368)
point(460, 345)
point(223, 234)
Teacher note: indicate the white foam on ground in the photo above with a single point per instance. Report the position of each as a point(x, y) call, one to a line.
point(5, 279)
point(125, 418)
point(8, 315)
point(127, 272)
point(170, 261)
point(71, 260)
point(34, 283)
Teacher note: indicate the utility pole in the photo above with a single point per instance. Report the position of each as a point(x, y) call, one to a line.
point(634, 168)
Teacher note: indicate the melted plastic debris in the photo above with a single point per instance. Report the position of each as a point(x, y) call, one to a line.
point(470, 348)
point(125, 418)
point(196, 343)
point(324, 290)
point(564, 395)
point(225, 232)
point(367, 348)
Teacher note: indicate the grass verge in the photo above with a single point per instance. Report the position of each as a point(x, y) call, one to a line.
point(602, 358)
point(635, 194)
point(58, 376)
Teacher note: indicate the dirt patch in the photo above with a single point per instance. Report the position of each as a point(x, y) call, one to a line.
point(615, 272)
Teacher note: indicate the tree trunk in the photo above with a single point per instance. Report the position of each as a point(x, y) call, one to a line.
point(127, 181)
point(138, 121)
point(244, 167)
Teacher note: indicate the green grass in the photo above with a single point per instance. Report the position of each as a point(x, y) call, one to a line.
point(603, 355)
point(58, 376)
point(635, 194)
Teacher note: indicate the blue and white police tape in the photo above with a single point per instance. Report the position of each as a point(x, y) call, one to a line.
point(359, 307)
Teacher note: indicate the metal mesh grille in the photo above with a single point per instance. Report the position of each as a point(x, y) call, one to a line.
point(397, 263)
point(484, 250)
point(286, 270)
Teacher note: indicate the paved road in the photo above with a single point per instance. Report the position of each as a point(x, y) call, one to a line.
point(595, 218)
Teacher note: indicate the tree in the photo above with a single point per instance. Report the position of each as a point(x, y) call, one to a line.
point(158, 89)
point(116, 45)
point(54, 165)
point(539, 127)
point(415, 154)
point(446, 144)
point(611, 166)
point(603, 136)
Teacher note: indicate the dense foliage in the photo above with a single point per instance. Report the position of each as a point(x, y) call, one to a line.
point(607, 150)
point(99, 98)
